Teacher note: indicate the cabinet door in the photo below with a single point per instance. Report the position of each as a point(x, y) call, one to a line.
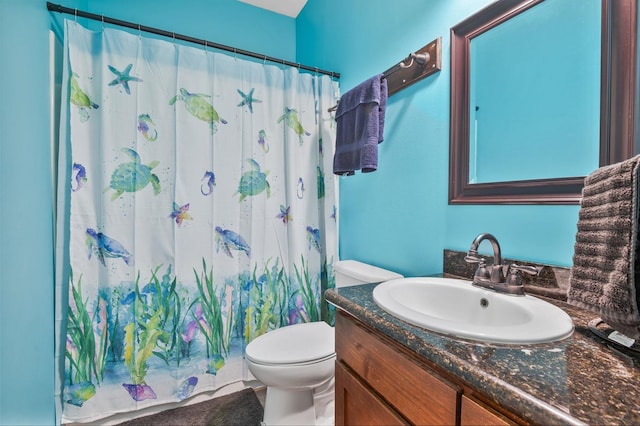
point(473, 413)
point(357, 405)
point(419, 394)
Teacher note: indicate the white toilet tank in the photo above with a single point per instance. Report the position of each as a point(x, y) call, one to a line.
point(352, 272)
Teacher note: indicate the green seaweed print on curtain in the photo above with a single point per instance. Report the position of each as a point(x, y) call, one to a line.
point(86, 346)
point(214, 317)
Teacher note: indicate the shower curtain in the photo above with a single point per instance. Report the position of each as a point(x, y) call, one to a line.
point(199, 213)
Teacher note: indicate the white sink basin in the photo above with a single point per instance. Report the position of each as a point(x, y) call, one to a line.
point(456, 307)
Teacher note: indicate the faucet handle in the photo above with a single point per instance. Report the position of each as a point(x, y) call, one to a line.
point(527, 269)
point(514, 280)
point(482, 272)
point(472, 257)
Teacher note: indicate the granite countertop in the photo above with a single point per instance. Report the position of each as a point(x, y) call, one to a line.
point(575, 381)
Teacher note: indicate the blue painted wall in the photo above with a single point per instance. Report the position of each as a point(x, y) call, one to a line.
point(398, 217)
point(26, 212)
point(228, 22)
point(26, 232)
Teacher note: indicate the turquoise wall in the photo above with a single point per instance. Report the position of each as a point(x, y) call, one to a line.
point(26, 212)
point(228, 22)
point(398, 217)
point(26, 232)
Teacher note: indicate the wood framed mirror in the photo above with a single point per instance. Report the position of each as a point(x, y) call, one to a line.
point(618, 116)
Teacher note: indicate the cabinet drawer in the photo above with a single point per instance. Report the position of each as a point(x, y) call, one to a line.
point(357, 405)
point(421, 396)
point(473, 413)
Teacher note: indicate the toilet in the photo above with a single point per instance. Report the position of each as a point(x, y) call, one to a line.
point(298, 361)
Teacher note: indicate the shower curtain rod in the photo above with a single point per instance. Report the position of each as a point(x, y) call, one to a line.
point(78, 13)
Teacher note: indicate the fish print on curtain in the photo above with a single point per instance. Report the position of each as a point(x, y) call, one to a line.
point(201, 215)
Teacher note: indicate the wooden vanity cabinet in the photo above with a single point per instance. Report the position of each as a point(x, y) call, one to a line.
point(473, 413)
point(379, 382)
point(356, 404)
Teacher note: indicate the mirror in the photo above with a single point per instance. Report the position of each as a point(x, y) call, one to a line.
point(534, 89)
point(474, 181)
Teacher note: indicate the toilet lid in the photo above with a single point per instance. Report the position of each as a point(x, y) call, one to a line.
point(293, 344)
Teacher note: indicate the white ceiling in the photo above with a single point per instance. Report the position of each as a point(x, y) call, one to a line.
point(285, 7)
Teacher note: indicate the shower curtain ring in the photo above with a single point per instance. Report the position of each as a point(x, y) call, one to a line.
point(235, 54)
point(76, 15)
point(103, 21)
point(205, 48)
point(264, 60)
point(139, 32)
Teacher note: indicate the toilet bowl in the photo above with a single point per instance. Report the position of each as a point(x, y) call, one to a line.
point(296, 360)
point(292, 361)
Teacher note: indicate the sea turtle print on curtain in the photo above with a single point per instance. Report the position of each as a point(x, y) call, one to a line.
point(189, 234)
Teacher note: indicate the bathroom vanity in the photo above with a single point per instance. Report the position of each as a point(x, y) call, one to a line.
point(390, 372)
point(381, 382)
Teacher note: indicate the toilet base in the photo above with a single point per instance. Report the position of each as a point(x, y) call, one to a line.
point(289, 407)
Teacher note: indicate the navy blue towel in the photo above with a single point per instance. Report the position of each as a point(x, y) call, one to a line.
point(360, 118)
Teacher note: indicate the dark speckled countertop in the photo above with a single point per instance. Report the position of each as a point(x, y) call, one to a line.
point(575, 381)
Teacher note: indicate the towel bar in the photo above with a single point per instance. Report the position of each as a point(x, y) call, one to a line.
point(423, 62)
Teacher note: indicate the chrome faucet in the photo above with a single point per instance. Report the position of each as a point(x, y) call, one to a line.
point(492, 277)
